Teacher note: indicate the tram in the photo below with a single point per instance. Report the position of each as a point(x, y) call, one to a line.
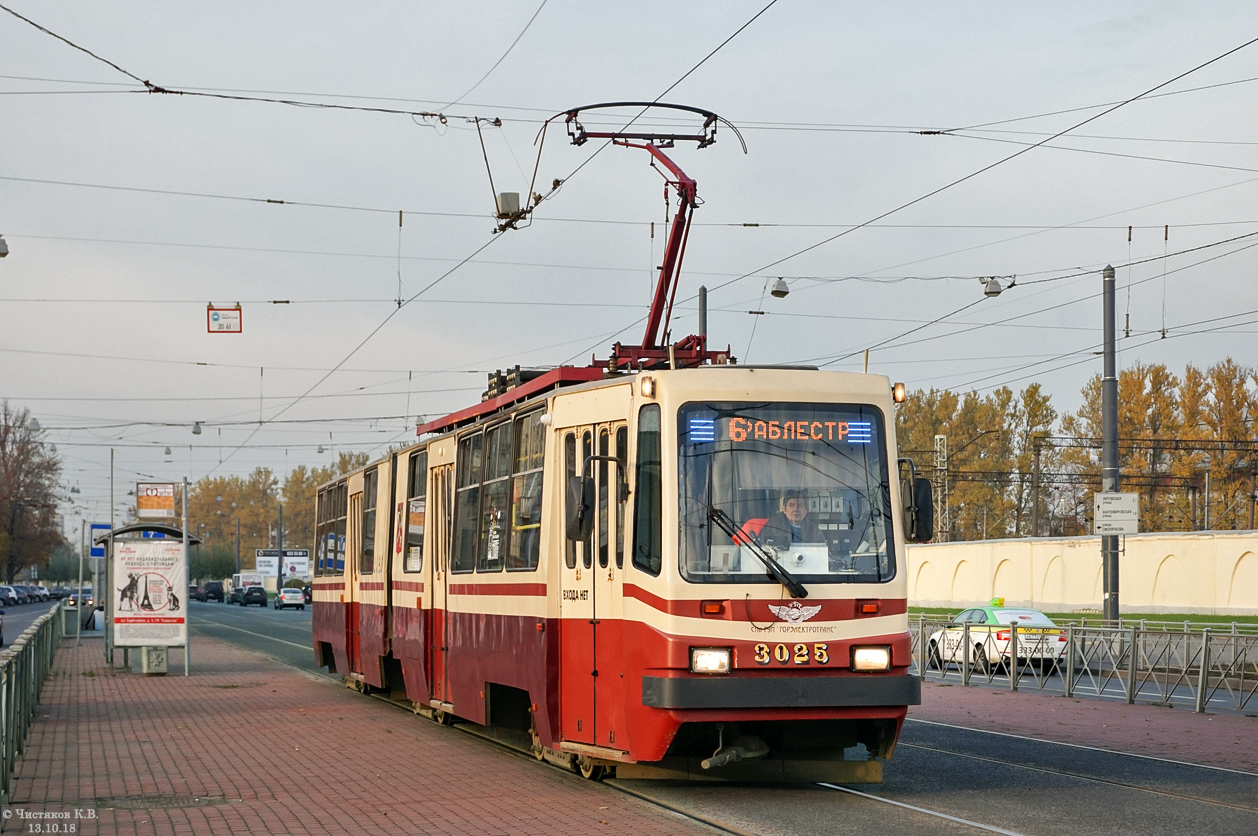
point(662, 565)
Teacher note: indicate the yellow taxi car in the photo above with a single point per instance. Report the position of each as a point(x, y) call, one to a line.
point(991, 638)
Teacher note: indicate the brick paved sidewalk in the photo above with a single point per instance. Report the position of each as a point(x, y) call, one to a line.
point(1225, 740)
point(246, 745)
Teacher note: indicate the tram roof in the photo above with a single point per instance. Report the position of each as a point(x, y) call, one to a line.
point(553, 379)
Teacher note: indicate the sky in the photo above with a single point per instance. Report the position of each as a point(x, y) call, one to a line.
point(127, 212)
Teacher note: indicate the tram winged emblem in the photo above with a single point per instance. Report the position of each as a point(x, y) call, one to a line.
point(794, 612)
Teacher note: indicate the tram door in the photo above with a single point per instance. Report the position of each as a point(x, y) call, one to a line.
point(440, 517)
point(353, 640)
point(592, 698)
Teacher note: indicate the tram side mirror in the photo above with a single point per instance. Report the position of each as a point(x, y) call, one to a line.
point(580, 508)
point(919, 506)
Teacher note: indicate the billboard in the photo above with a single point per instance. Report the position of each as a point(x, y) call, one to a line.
point(155, 499)
point(149, 577)
point(296, 562)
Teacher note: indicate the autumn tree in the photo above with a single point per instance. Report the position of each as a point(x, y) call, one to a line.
point(217, 503)
point(991, 441)
point(29, 475)
point(1173, 431)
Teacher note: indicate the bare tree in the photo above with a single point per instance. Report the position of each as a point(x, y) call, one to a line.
point(29, 475)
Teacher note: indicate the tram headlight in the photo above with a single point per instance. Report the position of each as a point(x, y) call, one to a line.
point(709, 659)
point(871, 658)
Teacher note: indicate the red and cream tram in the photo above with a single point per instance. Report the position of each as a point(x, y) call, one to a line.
point(667, 565)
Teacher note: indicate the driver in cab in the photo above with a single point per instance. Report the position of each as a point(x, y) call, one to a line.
point(791, 524)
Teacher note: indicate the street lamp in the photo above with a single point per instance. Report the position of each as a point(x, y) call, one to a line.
point(992, 287)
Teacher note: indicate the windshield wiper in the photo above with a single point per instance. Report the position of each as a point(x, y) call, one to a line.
point(723, 521)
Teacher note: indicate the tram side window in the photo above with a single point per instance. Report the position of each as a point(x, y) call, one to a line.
point(495, 499)
point(467, 502)
point(330, 522)
point(367, 565)
point(604, 545)
point(320, 524)
point(648, 508)
point(526, 493)
point(416, 507)
point(338, 532)
point(622, 456)
point(570, 470)
point(587, 450)
point(318, 533)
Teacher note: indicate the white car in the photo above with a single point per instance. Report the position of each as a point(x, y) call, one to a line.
point(290, 598)
point(1040, 641)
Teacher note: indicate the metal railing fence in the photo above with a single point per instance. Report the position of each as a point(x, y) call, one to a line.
point(24, 667)
point(1202, 668)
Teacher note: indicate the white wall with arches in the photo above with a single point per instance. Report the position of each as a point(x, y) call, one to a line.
point(1199, 572)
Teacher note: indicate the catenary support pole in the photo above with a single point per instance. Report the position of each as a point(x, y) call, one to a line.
point(1109, 445)
point(109, 573)
point(1035, 487)
point(187, 581)
point(279, 547)
point(78, 590)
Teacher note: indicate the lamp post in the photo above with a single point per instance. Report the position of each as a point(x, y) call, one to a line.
point(1109, 444)
point(279, 547)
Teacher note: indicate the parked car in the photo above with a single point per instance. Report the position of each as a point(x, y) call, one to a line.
point(42, 592)
point(83, 596)
point(253, 595)
point(23, 597)
point(290, 597)
point(1040, 640)
point(59, 592)
point(211, 591)
point(9, 594)
point(237, 591)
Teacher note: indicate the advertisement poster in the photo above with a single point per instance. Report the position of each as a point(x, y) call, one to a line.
point(149, 578)
point(296, 562)
point(155, 499)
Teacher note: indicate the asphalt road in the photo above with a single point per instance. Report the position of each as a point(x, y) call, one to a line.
point(281, 634)
point(17, 619)
point(943, 779)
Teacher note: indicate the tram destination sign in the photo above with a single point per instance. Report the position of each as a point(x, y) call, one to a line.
point(1116, 513)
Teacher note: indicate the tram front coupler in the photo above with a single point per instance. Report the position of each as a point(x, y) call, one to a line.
point(744, 748)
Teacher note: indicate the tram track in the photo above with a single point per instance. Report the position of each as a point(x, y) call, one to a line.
point(725, 827)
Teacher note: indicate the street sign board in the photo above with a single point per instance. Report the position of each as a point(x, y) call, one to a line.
point(155, 499)
point(97, 529)
point(266, 562)
point(1116, 513)
point(224, 320)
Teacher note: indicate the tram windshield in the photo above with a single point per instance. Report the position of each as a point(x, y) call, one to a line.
point(804, 484)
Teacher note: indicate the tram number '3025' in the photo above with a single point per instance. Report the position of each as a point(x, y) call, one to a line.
point(798, 654)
